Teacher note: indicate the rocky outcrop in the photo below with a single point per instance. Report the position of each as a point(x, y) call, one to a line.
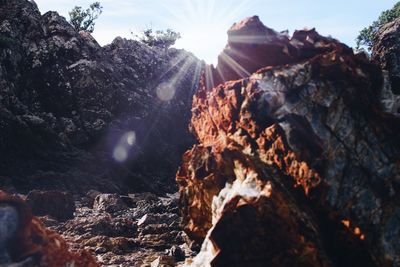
point(297, 164)
point(386, 51)
point(75, 113)
point(252, 46)
point(24, 241)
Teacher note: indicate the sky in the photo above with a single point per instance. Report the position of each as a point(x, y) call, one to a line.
point(203, 23)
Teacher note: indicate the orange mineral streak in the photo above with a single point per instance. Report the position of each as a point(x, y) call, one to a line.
point(274, 150)
point(354, 230)
point(33, 239)
point(198, 185)
point(346, 223)
point(222, 118)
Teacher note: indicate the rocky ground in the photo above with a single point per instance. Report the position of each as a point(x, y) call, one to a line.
point(133, 230)
point(297, 160)
point(118, 230)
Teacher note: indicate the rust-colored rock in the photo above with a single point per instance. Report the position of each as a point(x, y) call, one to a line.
point(311, 126)
point(32, 242)
point(252, 45)
point(254, 222)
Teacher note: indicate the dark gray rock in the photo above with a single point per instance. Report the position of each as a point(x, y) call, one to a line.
point(59, 205)
point(109, 202)
point(110, 118)
point(386, 51)
point(8, 226)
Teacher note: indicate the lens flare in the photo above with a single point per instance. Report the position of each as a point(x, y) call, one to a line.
point(125, 144)
point(120, 153)
point(131, 138)
point(165, 92)
point(200, 21)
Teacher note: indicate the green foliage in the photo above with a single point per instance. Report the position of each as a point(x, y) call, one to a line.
point(159, 38)
point(366, 36)
point(83, 20)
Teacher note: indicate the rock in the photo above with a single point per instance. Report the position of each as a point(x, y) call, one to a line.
point(177, 253)
point(8, 229)
point(163, 261)
point(109, 202)
point(296, 164)
point(117, 245)
point(157, 218)
point(118, 238)
point(252, 46)
point(58, 204)
point(84, 117)
point(29, 243)
point(100, 225)
point(92, 194)
point(386, 51)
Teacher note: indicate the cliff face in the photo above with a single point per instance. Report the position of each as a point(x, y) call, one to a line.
point(296, 164)
point(74, 115)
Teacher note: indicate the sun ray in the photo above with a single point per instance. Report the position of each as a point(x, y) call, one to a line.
point(203, 24)
point(236, 67)
point(176, 62)
point(241, 55)
point(209, 77)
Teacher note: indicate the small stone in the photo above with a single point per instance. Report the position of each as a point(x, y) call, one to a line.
point(163, 261)
point(142, 220)
point(109, 202)
point(100, 250)
point(177, 253)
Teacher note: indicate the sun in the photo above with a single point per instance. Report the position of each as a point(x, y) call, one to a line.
point(203, 25)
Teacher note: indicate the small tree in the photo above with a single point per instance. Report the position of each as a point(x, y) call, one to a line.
point(160, 38)
point(83, 20)
point(366, 36)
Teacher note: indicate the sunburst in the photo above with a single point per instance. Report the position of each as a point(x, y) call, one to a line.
point(203, 24)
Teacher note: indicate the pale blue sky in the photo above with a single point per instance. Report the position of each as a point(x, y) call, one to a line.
point(203, 23)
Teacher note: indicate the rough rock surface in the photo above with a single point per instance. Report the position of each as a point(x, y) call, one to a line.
point(109, 203)
point(386, 51)
point(78, 116)
point(59, 205)
point(297, 164)
point(24, 241)
point(252, 45)
point(146, 232)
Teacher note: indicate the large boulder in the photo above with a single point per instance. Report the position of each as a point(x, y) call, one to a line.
point(110, 118)
point(296, 165)
point(252, 45)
